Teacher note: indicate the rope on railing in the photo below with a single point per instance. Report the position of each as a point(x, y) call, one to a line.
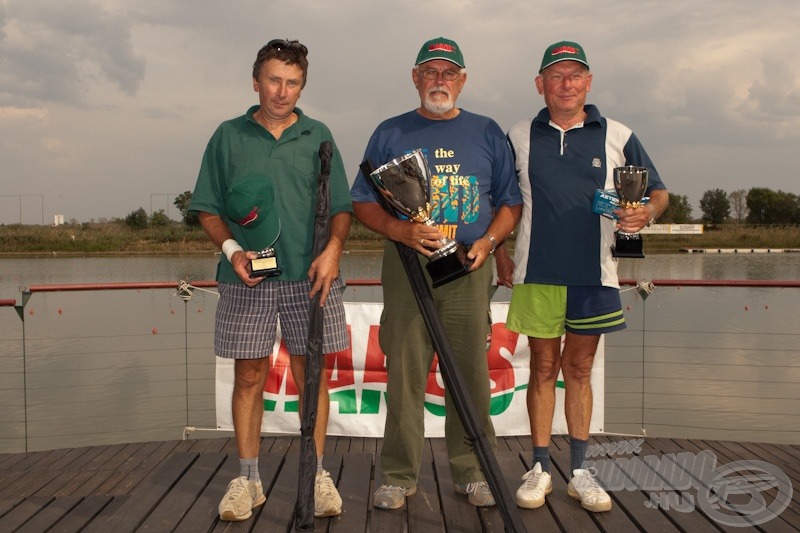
point(644, 287)
point(185, 290)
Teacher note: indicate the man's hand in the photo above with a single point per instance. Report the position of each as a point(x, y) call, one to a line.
point(505, 266)
point(323, 272)
point(479, 252)
point(421, 237)
point(240, 261)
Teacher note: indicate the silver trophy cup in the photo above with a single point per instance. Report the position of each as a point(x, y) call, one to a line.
point(404, 184)
point(630, 182)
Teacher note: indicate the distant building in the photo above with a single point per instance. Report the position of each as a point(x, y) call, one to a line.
point(58, 220)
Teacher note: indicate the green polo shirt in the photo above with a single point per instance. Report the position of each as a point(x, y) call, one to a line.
point(242, 147)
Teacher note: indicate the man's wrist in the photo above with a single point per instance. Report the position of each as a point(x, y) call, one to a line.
point(230, 247)
point(492, 240)
point(652, 214)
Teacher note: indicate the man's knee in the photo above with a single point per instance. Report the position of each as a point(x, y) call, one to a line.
point(578, 369)
point(249, 374)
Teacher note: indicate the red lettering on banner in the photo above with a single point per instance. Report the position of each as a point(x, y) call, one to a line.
point(279, 371)
point(433, 388)
point(375, 361)
point(500, 369)
point(342, 362)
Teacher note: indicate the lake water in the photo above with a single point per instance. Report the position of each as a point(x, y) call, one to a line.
point(695, 362)
point(15, 273)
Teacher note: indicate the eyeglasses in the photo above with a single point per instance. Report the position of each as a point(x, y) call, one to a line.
point(575, 77)
point(281, 44)
point(432, 74)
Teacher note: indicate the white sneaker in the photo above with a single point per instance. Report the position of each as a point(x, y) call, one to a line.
point(535, 485)
point(584, 487)
point(327, 501)
point(240, 499)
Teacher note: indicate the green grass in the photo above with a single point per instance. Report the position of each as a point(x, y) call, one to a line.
point(118, 238)
point(727, 236)
point(102, 238)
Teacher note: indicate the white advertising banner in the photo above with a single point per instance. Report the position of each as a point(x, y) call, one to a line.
point(673, 229)
point(357, 384)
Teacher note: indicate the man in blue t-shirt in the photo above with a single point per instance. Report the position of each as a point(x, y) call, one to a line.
point(565, 280)
point(475, 200)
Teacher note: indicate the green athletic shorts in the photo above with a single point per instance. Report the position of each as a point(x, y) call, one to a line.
point(547, 311)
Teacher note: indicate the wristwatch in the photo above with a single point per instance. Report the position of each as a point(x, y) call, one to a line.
point(491, 240)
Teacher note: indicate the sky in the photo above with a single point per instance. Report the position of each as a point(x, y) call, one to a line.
point(106, 106)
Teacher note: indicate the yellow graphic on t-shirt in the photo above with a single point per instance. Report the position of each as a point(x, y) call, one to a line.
point(454, 198)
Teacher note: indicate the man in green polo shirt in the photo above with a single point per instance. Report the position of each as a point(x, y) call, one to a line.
point(256, 191)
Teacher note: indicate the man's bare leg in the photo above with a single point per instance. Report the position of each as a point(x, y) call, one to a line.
point(248, 404)
point(298, 365)
point(576, 364)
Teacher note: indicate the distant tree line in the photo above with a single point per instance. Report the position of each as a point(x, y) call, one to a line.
point(139, 218)
point(759, 205)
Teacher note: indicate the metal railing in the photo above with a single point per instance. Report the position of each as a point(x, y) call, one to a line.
point(110, 363)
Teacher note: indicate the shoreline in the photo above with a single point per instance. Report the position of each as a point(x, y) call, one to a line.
point(118, 240)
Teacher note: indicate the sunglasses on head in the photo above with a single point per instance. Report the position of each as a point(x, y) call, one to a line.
point(283, 44)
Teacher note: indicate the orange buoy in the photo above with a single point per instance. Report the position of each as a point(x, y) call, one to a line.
point(155, 331)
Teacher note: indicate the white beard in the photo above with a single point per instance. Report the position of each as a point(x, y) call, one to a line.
point(438, 106)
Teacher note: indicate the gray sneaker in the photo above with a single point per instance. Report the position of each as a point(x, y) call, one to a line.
point(392, 496)
point(240, 499)
point(478, 493)
point(327, 501)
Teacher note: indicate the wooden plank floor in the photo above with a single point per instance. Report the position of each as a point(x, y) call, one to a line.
point(176, 486)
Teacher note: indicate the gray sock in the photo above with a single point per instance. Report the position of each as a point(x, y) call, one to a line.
point(319, 464)
point(249, 469)
point(541, 454)
point(577, 453)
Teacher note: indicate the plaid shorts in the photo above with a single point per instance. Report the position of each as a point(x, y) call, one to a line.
point(247, 318)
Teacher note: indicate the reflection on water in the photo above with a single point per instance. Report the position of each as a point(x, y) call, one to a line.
point(57, 270)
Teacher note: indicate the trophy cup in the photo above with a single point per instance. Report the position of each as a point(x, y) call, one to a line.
point(630, 183)
point(403, 182)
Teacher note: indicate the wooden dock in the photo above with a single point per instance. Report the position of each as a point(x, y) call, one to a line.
point(177, 485)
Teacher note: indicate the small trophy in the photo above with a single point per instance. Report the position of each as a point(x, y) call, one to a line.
point(404, 183)
point(250, 203)
point(630, 183)
point(265, 265)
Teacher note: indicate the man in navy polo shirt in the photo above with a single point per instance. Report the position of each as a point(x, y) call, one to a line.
point(565, 278)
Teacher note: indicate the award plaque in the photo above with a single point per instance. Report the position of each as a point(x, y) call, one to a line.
point(265, 265)
point(404, 183)
point(630, 182)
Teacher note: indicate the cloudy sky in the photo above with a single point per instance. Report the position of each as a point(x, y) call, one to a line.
point(107, 105)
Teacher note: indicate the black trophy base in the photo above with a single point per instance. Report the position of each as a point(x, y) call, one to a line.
point(448, 268)
point(630, 246)
point(265, 265)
